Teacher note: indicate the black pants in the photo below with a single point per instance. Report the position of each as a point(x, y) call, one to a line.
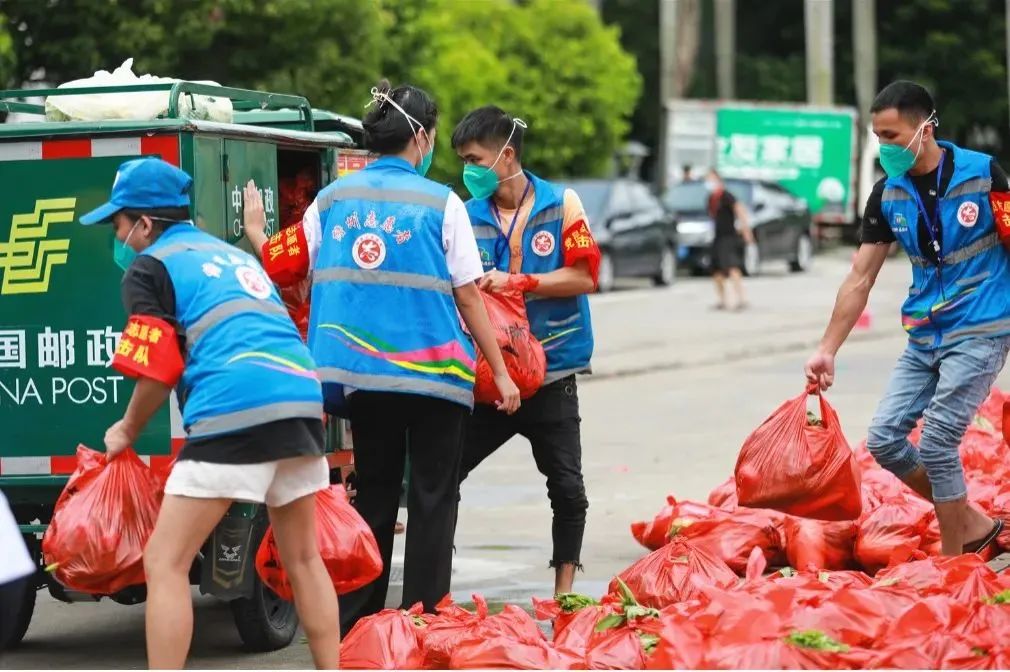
point(385, 426)
point(550, 421)
point(11, 597)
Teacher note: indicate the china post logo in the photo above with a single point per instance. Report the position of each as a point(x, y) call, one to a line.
point(28, 256)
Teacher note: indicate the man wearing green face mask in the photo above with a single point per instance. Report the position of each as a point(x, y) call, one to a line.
point(530, 227)
point(938, 201)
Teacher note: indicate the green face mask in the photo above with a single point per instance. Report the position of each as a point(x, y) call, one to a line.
point(425, 164)
point(897, 160)
point(482, 181)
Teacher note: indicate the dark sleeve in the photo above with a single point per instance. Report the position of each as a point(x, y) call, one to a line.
point(147, 290)
point(999, 177)
point(728, 200)
point(874, 228)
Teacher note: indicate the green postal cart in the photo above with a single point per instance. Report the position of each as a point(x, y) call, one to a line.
point(60, 311)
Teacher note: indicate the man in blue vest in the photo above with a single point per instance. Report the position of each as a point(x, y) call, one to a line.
point(526, 225)
point(205, 319)
point(937, 201)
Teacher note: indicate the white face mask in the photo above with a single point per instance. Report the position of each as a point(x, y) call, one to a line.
point(711, 185)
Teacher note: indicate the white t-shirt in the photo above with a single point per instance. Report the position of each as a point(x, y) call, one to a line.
point(458, 242)
point(15, 562)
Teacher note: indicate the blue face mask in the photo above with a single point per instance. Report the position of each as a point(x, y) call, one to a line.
point(122, 253)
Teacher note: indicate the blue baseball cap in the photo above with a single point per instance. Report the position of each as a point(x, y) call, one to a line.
point(143, 184)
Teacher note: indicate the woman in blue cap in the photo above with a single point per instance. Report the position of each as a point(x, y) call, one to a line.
point(394, 266)
point(206, 320)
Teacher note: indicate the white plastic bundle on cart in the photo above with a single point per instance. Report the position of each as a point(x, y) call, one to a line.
point(137, 105)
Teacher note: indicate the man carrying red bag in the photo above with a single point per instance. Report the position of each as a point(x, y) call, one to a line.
point(538, 230)
point(205, 319)
point(939, 201)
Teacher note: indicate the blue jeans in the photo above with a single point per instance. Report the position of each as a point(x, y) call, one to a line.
point(945, 386)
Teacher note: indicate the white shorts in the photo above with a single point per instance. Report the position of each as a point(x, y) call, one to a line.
point(272, 483)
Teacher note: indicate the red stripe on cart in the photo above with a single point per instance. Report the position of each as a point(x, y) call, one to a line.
point(67, 149)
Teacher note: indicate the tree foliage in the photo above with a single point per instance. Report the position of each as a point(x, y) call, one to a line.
point(550, 62)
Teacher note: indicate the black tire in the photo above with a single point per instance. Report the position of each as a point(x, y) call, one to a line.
point(803, 254)
point(752, 260)
point(607, 273)
point(264, 621)
point(21, 593)
point(667, 273)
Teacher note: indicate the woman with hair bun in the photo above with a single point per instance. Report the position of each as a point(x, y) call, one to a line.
point(394, 264)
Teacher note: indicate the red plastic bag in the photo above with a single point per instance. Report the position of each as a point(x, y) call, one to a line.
point(818, 544)
point(657, 532)
point(668, 576)
point(524, 355)
point(504, 653)
point(792, 466)
point(680, 645)
point(387, 640)
point(733, 538)
point(724, 496)
point(101, 523)
point(345, 541)
point(927, 652)
point(618, 649)
point(852, 616)
point(893, 532)
point(454, 625)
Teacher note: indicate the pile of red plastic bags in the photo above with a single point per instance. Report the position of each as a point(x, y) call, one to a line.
point(832, 564)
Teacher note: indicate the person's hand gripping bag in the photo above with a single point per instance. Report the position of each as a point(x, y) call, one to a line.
point(523, 354)
point(345, 541)
point(101, 523)
point(799, 465)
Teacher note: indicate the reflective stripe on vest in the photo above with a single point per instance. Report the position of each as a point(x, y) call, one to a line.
point(327, 200)
point(396, 384)
point(250, 417)
point(895, 194)
point(485, 232)
point(980, 185)
point(555, 376)
point(967, 252)
point(546, 216)
point(168, 250)
point(227, 309)
point(987, 329)
point(389, 278)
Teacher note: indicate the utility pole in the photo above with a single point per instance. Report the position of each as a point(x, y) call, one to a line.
point(1008, 42)
point(819, 20)
point(668, 86)
point(725, 48)
point(864, 46)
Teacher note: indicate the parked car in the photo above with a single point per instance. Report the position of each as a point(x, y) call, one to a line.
point(636, 234)
point(781, 222)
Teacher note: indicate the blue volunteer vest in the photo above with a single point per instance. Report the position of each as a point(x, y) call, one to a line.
point(383, 316)
point(245, 362)
point(968, 295)
point(563, 326)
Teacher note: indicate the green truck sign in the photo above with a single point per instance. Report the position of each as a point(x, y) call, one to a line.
point(810, 153)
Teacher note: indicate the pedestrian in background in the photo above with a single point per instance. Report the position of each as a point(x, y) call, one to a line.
point(731, 222)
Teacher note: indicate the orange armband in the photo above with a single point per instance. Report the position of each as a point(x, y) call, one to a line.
point(286, 256)
point(149, 348)
point(579, 244)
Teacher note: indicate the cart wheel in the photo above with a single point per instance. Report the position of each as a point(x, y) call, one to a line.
point(23, 606)
point(265, 622)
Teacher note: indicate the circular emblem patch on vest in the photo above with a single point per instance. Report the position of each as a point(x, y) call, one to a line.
point(253, 282)
point(543, 243)
point(369, 251)
point(967, 214)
